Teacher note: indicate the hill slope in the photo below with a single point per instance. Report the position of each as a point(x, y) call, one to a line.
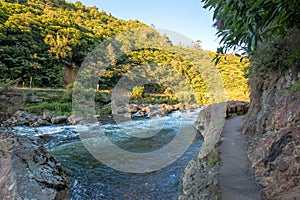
point(49, 40)
point(39, 38)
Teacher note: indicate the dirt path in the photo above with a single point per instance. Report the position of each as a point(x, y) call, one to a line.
point(236, 179)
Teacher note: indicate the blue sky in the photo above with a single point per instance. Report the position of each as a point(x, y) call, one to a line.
point(184, 17)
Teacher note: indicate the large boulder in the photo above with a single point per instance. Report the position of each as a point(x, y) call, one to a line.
point(27, 171)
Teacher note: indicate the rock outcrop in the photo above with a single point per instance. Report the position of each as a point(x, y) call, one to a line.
point(27, 171)
point(200, 178)
point(273, 128)
point(9, 102)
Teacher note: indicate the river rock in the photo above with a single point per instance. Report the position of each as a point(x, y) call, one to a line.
point(147, 109)
point(164, 109)
point(127, 115)
point(21, 118)
point(47, 115)
point(179, 106)
point(167, 107)
point(132, 108)
point(152, 109)
point(59, 119)
point(29, 172)
point(75, 119)
point(138, 114)
point(128, 111)
point(39, 122)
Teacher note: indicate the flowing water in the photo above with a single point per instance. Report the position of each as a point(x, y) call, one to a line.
point(90, 179)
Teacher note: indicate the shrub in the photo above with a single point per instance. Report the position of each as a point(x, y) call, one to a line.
point(53, 97)
point(137, 92)
point(295, 87)
point(57, 107)
point(104, 111)
point(278, 55)
point(168, 91)
point(212, 158)
point(102, 96)
point(6, 84)
point(67, 96)
point(184, 97)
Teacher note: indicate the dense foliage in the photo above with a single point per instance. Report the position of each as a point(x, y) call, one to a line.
point(246, 24)
point(39, 38)
point(234, 72)
point(278, 55)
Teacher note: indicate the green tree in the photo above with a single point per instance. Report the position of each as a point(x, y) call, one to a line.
point(244, 25)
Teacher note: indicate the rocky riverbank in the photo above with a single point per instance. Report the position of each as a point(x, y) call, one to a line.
point(200, 176)
point(126, 112)
point(28, 172)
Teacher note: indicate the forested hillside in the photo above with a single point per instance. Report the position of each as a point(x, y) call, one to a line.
point(49, 40)
point(39, 38)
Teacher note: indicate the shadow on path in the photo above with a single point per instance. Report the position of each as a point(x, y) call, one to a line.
point(236, 180)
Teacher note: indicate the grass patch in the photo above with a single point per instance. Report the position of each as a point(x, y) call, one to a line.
point(201, 127)
point(137, 92)
point(57, 107)
point(41, 89)
point(104, 111)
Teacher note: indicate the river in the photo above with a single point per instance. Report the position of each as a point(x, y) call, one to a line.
point(91, 179)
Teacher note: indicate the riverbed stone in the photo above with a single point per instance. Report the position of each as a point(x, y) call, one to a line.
point(20, 118)
point(59, 119)
point(47, 115)
point(138, 114)
point(75, 119)
point(132, 108)
point(40, 122)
